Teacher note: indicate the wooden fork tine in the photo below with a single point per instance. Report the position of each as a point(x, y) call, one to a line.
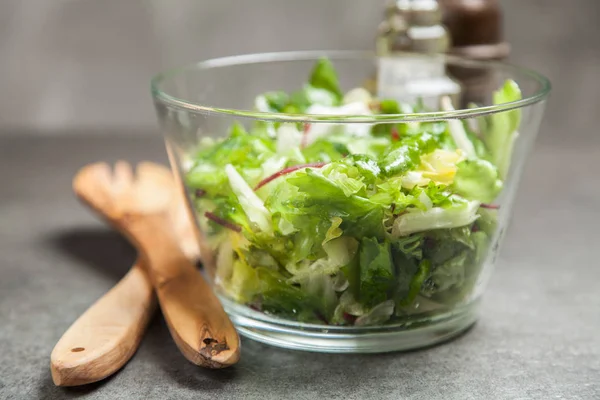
point(122, 176)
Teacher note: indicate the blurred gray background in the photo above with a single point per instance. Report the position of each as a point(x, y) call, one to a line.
point(84, 65)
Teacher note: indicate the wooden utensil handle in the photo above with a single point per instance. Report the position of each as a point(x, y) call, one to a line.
point(164, 258)
point(197, 321)
point(105, 337)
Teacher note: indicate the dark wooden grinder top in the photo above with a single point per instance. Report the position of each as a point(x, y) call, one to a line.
point(476, 28)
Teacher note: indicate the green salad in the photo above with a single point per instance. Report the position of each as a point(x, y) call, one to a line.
point(351, 224)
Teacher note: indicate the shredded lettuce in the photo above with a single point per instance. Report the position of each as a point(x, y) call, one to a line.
point(407, 154)
point(504, 127)
point(477, 180)
point(351, 224)
point(416, 283)
point(319, 130)
point(250, 202)
point(334, 230)
point(460, 214)
point(324, 76)
point(376, 271)
point(244, 282)
point(377, 315)
point(288, 138)
point(310, 96)
point(272, 101)
point(457, 130)
point(339, 252)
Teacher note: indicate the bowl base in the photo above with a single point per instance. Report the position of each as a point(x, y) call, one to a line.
point(410, 335)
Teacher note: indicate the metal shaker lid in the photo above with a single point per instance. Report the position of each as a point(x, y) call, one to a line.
point(416, 25)
point(420, 12)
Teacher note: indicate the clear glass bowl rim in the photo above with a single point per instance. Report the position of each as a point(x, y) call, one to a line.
point(544, 88)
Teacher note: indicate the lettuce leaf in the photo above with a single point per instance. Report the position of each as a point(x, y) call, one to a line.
point(376, 271)
point(326, 197)
point(252, 205)
point(487, 221)
point(310, 95)
point(451, 272)
point(288, 138)
point(322, 89)
point(416, 283)
point(339, 252)
point(405, 267)
point(377, 315)
point(457, 130)
point(349, 185)
point(208, 178)
point(503, 130)
point(367, 225)
point(324, 151)
point(283, 299)
point(477, 180)
point(334, 230)
point(275, 101)
point(324, 76)
point(406, 155)
point(456, 257)
point(244, 283)
point(229, 209)
point(459, 214)
point(320, 288)
point(410, 246)
point(364, 166)
point(389, 106)
point(240, 149)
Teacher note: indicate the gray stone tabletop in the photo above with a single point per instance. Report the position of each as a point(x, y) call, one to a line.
point(537, 337)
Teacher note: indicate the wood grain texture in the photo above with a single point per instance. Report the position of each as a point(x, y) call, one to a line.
point(105, 337)
point(140, 206)
point(197, 321)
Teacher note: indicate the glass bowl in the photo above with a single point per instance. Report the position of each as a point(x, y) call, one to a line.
point(357, 212)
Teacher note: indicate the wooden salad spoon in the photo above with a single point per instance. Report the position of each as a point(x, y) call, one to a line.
point(148, 210)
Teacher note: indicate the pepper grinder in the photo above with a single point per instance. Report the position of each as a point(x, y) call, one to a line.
point(476, 31)
point(476, 28)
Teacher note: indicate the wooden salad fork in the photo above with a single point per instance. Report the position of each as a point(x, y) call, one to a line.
point(147, 209)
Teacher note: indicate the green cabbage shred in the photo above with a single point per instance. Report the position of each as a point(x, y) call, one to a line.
point(363, 234)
